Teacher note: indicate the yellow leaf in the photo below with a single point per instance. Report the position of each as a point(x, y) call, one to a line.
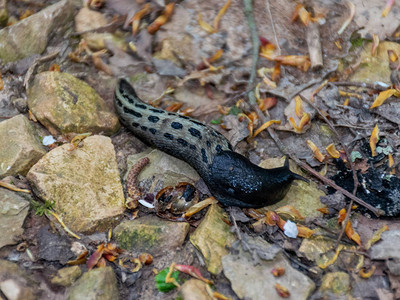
point(266, 125)
point(332, 151)
point(205, 26)
point(220, 14)
point(317, 154)
point(376, 237)
point(298, 108)
point(373, 140)
point(383, 96)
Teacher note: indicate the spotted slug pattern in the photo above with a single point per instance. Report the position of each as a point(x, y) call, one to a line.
point(231, 177)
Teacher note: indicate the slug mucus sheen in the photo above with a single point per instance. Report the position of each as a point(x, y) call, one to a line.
point(231, 178)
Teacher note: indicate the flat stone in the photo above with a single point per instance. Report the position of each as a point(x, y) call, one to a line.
point(84, 183)
point(13, 211)
point(96, 284)
point(65, 104)
point(305, 197)
point(54, 247)
point(67, 276)
point(22, 149)
point(150, 234)
point(163, 168)
point(388, 247)
point(255, 281)
point(15, 284)
point(194, 289)
point(30, 36)
point(212, 238)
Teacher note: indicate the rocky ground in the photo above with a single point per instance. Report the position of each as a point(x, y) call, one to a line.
point(68, 228)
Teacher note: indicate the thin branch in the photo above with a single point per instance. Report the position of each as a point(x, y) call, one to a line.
point(372, 86)
point(273, 27)
point(248, 12)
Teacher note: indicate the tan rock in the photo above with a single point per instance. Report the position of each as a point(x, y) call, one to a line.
point(212, 237)
point(87, 19)
point(67, 276)
point(84, 183)
point(63, 103)
point(97, 284)
point(150, 234)
point(194, 289)
point(30, 36)
point(20, 148)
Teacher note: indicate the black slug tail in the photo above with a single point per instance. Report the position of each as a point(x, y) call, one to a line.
point(294, 175)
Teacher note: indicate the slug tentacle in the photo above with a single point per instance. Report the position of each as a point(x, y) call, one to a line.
point(231, 177)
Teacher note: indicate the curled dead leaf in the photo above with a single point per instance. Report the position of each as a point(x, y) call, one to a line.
point(364, 273)
point(161, 20)
point(332, 151)
point(289, 212)
point(277, 272)
point(298, 108)
point(265, 126)
point(373, 140)
point(282, 291)
point(317, 154)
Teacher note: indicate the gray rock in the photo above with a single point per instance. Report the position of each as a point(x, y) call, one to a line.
point(388, 247)
point(255, 281)
point(96, 284)
point(22, 149)
point(64, 104)
point(53, 247)
point(13, 211)
point(150, 234)
point(84, 183)
point(30, 36)
point(15, 284)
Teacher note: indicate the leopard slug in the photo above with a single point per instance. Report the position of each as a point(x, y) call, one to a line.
point(231, 178)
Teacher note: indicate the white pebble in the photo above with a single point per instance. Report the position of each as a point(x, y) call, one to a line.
point(48, 140)
point(290, 229)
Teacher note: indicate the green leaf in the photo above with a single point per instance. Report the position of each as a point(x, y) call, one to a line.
point(161, 285)
point(217, 121)
point(234, 110)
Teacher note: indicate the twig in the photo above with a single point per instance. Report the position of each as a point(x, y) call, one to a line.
point(346, 219)
point(248, 11)
point(273, 28)
point(13, 187)
point(62, 224)
point(314, 45)
point(372, 86)
point(32, 68)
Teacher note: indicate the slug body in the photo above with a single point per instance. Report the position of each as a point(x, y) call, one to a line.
point(231, 177)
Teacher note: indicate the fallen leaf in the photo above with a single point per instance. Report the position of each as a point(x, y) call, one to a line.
point(373, 140)
point(383, 96)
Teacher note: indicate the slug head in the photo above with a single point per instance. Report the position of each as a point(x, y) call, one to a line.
point(236, 181)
